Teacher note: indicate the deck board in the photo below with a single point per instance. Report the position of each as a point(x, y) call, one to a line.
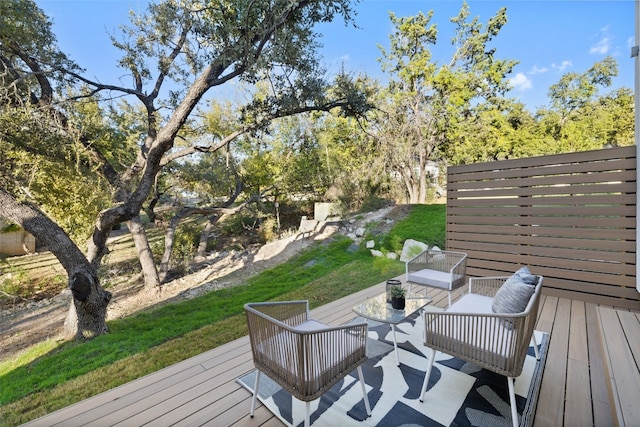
point(578, 400)
point(202, 390)
point(552, 391)
point(602, 415)
point(620, 333)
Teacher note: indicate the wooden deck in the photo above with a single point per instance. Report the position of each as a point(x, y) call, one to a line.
point(202, 390)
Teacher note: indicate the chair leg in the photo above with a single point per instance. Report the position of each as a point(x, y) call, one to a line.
point(255, 393)
point(449, 299)
point(410, 285)
point(364, 391)
point(512, 399)
point(535, 346)
point(427, 375)
point(307, 410)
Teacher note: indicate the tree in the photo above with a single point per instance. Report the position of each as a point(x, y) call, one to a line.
point(197, 45)
point(581, 118)
point(427, 103)
point(496, 134)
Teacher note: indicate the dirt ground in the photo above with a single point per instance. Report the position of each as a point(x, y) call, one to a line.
point(28, 323)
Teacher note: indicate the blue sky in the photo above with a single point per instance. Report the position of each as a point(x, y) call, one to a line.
point(548, 37)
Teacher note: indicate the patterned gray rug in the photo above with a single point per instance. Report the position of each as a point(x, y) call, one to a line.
point(459, 393)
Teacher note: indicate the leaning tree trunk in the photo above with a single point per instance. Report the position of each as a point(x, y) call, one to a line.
point(87, 315)
point(169, 237)
point(148, 265)
point(204, 236)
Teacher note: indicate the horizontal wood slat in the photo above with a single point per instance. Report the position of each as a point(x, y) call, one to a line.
point(614, 180)
point(568, 232)
point(570, 217)
point(605, 250)
point(557, 160)
point(565, 221)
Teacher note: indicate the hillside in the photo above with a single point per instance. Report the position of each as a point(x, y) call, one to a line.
point(30, 322)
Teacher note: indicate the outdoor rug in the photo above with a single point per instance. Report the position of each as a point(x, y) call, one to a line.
point(459, 393)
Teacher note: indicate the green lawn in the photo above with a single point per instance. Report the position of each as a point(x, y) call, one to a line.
point(52, 376)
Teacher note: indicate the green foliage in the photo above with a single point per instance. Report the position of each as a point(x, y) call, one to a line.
point(12, 284)
point(239, 223)
point(425, 223)
point(269, 229)
point(397, 292)
point(26, 34)
point(185, 244)
point(10, 227)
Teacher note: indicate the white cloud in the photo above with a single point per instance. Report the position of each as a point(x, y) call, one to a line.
point(563, 66)
point(604, 43)
point(536, 70)
point(521, 82)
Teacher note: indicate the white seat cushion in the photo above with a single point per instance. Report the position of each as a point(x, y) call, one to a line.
point(310, 325)
point(472, 303)
point(435, 278)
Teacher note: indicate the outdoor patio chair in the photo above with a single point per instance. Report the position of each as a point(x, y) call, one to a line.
point(439, 269)
point(490, 330)
point(304, 356)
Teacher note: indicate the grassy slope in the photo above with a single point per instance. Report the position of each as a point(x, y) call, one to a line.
point(141, 344)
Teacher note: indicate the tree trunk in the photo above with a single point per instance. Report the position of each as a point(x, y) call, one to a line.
point(169, 237)
point(148, 265)
point(88, 310)
point(412, 189)
point(204, 236)
point(423, 185)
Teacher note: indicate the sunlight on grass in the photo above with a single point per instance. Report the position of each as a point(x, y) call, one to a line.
point(28, 356)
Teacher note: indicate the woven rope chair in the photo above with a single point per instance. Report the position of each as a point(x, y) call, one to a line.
point(498, 342)
point(303, 356)
point(439, 269)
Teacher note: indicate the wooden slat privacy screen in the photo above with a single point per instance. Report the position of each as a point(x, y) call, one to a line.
point(569, 217)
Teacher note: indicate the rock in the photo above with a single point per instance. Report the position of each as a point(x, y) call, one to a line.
point(392, 255)
point(360, 231)
point(376, 253)
point(412, 248)
point(353, 248)
point(371, 244)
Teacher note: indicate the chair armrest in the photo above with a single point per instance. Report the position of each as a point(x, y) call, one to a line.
point(487, 286)
point(291, 313)
point(459, 268)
